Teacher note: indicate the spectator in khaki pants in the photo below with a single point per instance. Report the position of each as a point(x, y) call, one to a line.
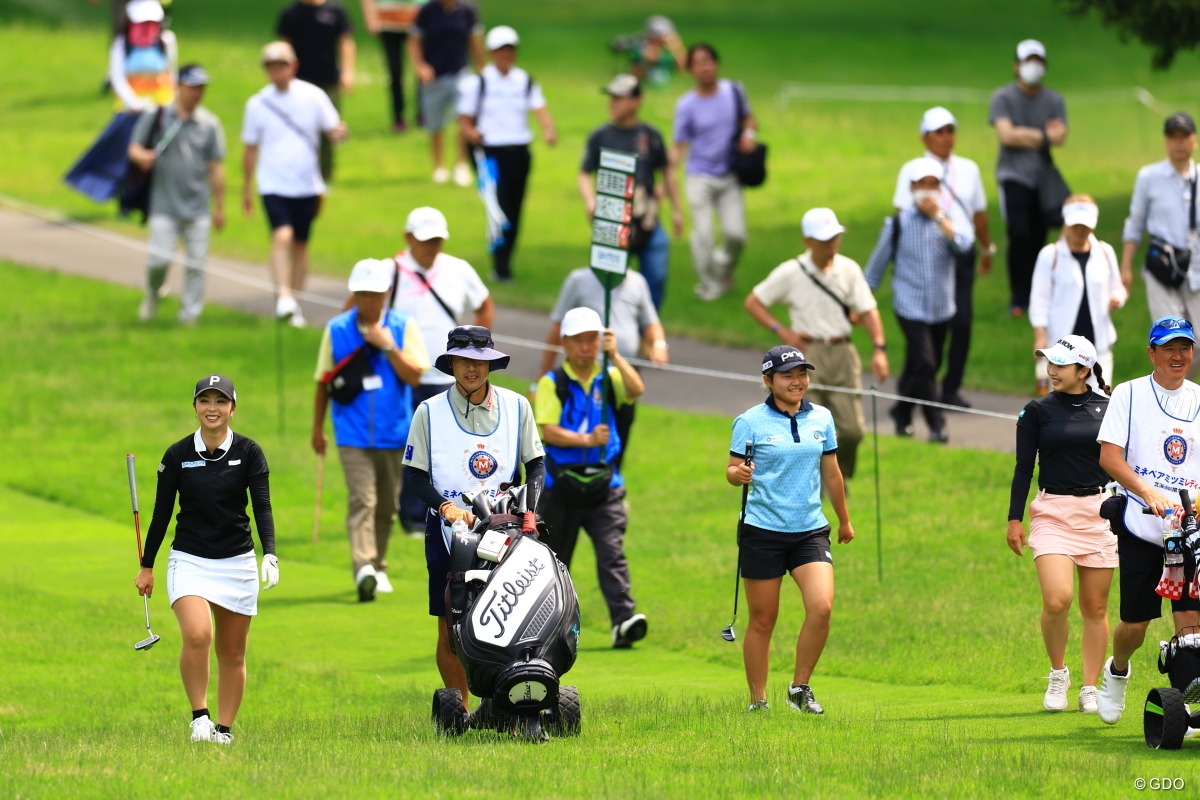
point(371, 429)
point(826, 295)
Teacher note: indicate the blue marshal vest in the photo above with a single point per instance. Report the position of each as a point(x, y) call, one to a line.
point(379, 417)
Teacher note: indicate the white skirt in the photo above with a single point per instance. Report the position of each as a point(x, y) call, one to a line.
point(230, 583)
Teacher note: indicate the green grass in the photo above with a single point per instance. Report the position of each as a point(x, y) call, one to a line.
point(841, 154)
point(932, 678)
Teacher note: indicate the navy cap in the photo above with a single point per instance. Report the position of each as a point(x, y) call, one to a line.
point(781, 358)
point(193, 75)
point(1167, 328)
point(1179, 121)
point(218, 382)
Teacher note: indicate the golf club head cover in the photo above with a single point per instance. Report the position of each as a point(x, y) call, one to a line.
point(532, 524)
point(1170, 585)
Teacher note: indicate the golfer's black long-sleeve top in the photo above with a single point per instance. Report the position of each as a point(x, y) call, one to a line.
point(212, 520)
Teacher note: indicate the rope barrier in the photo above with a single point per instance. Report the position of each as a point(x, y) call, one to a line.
point(322, 300)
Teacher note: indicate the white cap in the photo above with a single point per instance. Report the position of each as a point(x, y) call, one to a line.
point(1081, 213)
point(372, 275)
point(1030, 47)
point(427, 223)
point(925, 167)
point(500, 36)
point(278, 53)
point(581, 320)
point(935, 119)
point(144, 11)
point(820, 224)
point(1070, 350)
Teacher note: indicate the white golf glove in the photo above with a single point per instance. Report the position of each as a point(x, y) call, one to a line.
point(270, 571)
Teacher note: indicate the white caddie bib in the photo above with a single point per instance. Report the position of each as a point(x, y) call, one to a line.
point(461, 461)
point(1161, 449)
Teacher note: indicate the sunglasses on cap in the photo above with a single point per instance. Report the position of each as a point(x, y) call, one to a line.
point(459, 340)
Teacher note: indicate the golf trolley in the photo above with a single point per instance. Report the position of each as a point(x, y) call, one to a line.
point(1166, 719)
point(513, 617)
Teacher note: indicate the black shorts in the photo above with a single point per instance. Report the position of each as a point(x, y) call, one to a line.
point(299, 212)
point(437, 561)
point(1141, 569)
point(766, 555)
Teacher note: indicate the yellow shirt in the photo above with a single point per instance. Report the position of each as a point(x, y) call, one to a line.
point(548, 410)
point(414, 349)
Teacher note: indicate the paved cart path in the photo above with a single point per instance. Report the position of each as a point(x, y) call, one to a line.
point(93, 252)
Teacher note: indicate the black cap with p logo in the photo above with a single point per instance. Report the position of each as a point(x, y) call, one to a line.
point(217, 382)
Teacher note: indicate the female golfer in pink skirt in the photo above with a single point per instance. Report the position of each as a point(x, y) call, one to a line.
point(211, 572)
point(1066, 533)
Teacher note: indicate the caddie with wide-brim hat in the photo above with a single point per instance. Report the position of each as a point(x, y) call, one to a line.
point(473, 436)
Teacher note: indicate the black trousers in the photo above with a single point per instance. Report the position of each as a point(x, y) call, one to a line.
point(605, 524)
point(923, 346)
point(393, 52)
point(512, 170)
point(623, 417)
point(960, 323)
point(1026, 237)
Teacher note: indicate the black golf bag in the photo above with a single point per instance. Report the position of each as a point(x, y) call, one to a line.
point(1166, 719)
point(513, 617)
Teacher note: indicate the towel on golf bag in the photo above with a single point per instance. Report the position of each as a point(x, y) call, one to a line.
point(98, 172)
point(1170, 585)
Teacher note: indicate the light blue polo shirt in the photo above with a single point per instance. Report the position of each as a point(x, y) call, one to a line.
point(785, 495)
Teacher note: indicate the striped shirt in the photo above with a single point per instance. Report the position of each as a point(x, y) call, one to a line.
point(923, 281)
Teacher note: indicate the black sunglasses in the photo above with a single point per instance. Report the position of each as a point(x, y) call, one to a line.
point(463, 340)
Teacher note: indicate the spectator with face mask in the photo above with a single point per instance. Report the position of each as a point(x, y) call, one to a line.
point(1029, 119)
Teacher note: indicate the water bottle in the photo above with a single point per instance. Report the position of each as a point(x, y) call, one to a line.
point(1043, 380)
point(459, 526)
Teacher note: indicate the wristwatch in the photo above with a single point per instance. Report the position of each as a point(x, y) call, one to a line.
point(389, 348)
point(660, 344)
point(990, 249)
point(941, 215)
point(881, 347)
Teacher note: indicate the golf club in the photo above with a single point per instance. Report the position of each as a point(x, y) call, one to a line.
point(478, 501)
point(320, 485)
point(152, 639)
point(727, 633)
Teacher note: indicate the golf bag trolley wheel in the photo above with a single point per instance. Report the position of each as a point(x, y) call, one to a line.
point(449, 717)
point(1165, 720)
point(567, 717)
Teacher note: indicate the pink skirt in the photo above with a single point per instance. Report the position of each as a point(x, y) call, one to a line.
point(1071, 526)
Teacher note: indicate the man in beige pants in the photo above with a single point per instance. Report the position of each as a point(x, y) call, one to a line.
point(826, 296)
point(370, 358)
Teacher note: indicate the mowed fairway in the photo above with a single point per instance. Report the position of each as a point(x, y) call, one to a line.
point(932, 678)
point(842, 153)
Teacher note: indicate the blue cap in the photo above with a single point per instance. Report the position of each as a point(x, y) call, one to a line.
point(1167, 328)
point(782, 358)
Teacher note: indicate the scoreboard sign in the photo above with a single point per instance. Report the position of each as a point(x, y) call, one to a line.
point(614, 213)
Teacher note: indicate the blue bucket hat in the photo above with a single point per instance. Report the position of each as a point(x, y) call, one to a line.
point(1167, 328)
point(474, 342)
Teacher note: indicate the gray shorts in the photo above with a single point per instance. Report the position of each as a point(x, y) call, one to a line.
point(434, 99)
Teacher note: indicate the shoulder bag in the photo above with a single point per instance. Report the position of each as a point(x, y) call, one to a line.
point(345, 381)
point(1168, 264)
point(425, 282)
point(750, 168)
point(844, 306)
point(1052, 189)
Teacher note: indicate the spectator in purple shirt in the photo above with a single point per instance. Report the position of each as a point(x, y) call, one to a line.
point(707, 121)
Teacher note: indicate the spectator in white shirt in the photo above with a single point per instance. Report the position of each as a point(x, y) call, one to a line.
point(826, 295)
point(1076, 284)
point(493, 114)
point(281, 130)
point(964, 200)
point(440, 292)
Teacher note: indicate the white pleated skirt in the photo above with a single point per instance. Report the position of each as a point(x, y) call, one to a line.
point(230, 583)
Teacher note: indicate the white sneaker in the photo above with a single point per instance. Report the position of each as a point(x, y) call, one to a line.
point(366, 579)
point(441, 175)
point(222, 738)
point(148, 309)
point(297, 320)
point(285, 307)
point(203, 729)
point(462, 175)
point(382, 584)
point(1111, 702)
point(1056, 692)
point(1087, 699)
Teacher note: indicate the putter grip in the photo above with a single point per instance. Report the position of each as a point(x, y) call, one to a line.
point(749, 450)
point(132, 482)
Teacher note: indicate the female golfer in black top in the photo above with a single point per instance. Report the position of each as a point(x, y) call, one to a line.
point(211, 564)
point(1066, 532)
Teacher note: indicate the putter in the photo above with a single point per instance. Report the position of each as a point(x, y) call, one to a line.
point(727, 633)
point(152, 639)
